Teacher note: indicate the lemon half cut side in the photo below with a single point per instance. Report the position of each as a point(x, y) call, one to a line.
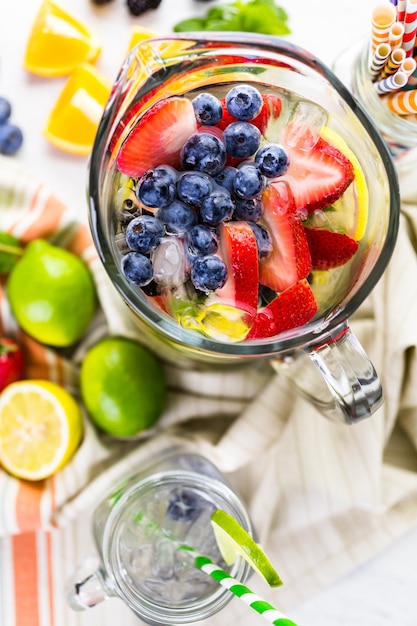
point(40, 428)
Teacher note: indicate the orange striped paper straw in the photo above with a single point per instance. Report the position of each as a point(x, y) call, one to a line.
point(395, 37)
point(378, 60)
point(393, 63)
point(410, 27)
point(410, 118)
point(383, 17)
point(402, 102)
point(408, 66)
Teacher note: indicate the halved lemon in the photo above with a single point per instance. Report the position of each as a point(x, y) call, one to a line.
point(234, 541)
point(58, 42)
point(361, 188)
point(40, 428)
point(73, 121)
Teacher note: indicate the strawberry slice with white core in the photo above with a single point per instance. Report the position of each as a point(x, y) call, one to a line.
point(157, 137)
point(290, 259)
point(292, 308)
point(329, 249)
point(317, 177)
point(240, 254)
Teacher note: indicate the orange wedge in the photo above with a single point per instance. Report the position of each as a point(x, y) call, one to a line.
point(58, 42)
point(73, 121)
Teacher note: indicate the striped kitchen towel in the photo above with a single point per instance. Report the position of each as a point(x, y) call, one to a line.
point(323, 497)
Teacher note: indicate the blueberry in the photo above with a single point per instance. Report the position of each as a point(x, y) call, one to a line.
point(193, 187)
point(272, 160)
point(208, 273)
point(244, 102)
point(11, 139)
point(177, 217)
point(144, 233)
point(202, 240)
point(249, 182)
point(137, 268)
point(184, 505)
point(249, 210)
point(5, 110)
point(226, 177)
point(241, 139)
point(203, 152)
point(207, 109)
point(217, 207)
point(156, 188)
point(263, 240)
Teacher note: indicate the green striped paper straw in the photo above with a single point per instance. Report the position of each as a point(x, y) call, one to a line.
point(263, 608)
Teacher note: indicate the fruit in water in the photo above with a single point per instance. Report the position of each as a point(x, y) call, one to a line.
point(58, 42)
point(158, 137)
point(122, 386)
point(52, 294)
point(292, 308)
point(40, 428)
point(234, 541)
point(290, 258)
point(329, 249)
point(11, 362)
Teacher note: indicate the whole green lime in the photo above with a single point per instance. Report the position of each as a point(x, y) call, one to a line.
point(122, 386)
point(52, 294)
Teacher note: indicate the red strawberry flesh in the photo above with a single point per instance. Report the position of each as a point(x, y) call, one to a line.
point(240, 253)
point(318, 177)
point(292, 308)
point(289, 260)
point(11, 362)
point(329, 249)
point(158, 137)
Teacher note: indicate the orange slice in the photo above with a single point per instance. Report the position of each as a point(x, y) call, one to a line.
point(73, 121)
point(58, 42)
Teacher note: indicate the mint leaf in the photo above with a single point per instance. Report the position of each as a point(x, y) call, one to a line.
point(256, 16)
point(10, 252)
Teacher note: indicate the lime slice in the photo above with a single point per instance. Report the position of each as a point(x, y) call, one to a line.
point(234, 541)
point(360, 181)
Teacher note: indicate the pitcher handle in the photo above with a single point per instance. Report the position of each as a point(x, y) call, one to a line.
point(352, 389)
point(88, 586)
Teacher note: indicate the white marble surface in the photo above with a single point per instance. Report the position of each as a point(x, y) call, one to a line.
point(383, 591)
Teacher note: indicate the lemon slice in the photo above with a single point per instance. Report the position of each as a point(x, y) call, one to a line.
point(40, 428)
point(58, 42)
point(139, 34)
point(234, 541)
point(72, 123)
point(362, 199)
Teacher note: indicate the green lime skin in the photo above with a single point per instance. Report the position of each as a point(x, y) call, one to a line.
point(123, 386)
point(52, 294)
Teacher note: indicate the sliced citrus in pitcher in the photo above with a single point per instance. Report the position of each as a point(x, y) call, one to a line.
point(40, 428)
point(234, 541)
point(139, 34)
point(58, 42)
point(73, 121)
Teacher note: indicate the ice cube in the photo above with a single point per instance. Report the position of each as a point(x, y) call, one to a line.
point(169, 262)
point(163, 559)
point(305, 124)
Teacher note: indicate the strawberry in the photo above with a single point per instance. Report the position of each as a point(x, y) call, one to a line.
point(329, 249)
point(292, 308)
point(240, 253)
point(271, 108)
point(157, 137)
point(289, 260)
point(11, 362)
point(317, 177)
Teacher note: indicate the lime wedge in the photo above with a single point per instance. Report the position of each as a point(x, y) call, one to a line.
point(234, 541)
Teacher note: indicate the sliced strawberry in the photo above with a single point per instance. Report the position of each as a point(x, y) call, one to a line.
point(292, 308)
point(317, 177)
point(240, 253)
point(271, 108)
point(158, 137)
point(329, 249)
point(290, 259)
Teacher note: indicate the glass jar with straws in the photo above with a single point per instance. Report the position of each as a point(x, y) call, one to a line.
point(382, 75)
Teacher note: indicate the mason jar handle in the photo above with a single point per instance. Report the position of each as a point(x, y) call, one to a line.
point(88, 586)
point(352, 389)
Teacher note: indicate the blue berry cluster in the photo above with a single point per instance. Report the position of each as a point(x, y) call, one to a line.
point(193, 202)
point(11, 137)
